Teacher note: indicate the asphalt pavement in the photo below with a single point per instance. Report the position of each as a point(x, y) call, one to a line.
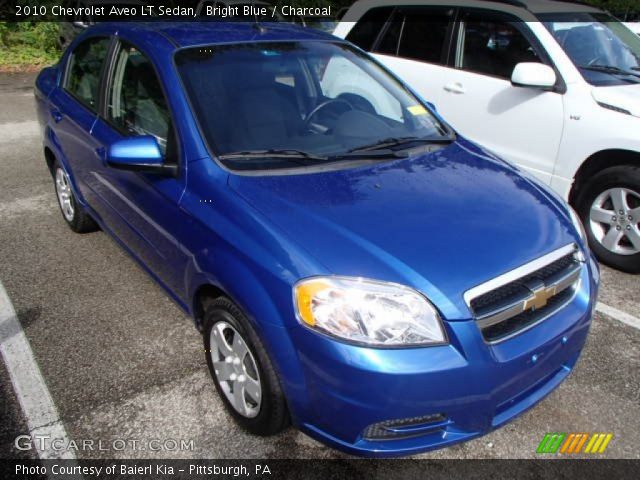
point(122, 362)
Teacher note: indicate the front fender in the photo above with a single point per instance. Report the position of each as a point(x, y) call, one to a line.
point(245, 289)
point(592, 129)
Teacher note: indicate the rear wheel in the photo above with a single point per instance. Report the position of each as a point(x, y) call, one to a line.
point(77, 219)
point(242, 371)
point(609, 207)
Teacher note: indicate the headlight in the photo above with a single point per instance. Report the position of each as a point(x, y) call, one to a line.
point(369, 312)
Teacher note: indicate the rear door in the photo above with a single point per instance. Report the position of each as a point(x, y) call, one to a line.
point(74, 107)
point(523, 125)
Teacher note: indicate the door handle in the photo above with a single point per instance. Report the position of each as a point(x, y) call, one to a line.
point(56, 115)
point(456, 88)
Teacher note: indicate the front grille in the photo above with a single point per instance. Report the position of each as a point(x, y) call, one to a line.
point(518, 286)
point(502, 330)
point(406, 427)
point(520, 299)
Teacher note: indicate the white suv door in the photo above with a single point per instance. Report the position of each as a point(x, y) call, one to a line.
point(523, 125)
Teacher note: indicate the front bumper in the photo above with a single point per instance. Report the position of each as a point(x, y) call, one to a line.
point(456, 392)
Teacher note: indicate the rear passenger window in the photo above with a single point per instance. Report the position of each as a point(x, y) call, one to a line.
point(420, 33)
point(85, 68)
point(493, 47)
point(366, 31)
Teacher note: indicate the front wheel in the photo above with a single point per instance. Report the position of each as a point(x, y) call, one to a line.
point(242, 371)
point(609, 207)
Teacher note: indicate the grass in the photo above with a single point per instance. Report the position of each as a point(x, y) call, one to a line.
point(22, 59)
point(28, 46)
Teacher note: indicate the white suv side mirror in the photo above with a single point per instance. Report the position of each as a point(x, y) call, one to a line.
point(533, 75)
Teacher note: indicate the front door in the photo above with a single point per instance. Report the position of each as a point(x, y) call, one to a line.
point(144, 207)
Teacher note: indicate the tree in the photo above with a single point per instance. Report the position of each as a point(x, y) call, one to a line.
point(618, 7)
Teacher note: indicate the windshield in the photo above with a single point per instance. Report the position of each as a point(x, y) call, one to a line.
point(288, 104)
point(605, 51)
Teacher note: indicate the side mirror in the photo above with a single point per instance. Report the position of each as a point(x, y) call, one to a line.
point(139, 154)
point(533, 75)
point(432, 106)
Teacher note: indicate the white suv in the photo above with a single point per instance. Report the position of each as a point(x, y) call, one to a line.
point(552, 86)
point(634, 27)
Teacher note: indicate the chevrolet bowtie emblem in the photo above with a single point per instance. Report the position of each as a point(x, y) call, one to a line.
point(540, 295)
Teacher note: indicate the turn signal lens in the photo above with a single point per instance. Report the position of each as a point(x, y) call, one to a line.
point(305, 293)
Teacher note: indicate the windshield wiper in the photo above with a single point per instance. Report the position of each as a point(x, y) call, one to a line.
point(399, 141)
point(273, 153)
point(368, 155)
point(610, 69)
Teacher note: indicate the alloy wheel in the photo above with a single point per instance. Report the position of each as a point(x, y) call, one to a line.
point(614, 220)
point(235, 369)
point(65, 196)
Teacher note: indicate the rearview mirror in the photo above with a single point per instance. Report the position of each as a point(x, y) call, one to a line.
point(533, 75)
point(140, 154)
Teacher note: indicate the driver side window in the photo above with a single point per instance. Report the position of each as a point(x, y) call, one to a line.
point(136, 104)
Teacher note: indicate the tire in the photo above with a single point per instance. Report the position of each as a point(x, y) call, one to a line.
point(613, 238)
point(72, 212)
point(267, 415)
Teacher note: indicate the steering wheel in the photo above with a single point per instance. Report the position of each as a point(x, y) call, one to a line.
point(323, 105)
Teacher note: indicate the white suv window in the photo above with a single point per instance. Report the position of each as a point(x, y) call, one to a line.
point(418, 33)
point(492, 47)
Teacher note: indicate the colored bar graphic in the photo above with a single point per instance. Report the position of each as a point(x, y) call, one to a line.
point(542, 448)
point(596, 446)
point(591, 442)
point(572, 443)
point(551, 442)
point(582, 442)
point(543, 443)
point(606, 442)
point(558, 441)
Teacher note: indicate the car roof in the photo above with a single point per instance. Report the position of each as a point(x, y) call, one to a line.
point(554, 6)
point(533, 6)
point(186, 34)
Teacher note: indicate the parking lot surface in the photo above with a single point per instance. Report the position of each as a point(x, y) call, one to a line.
point(121, 361)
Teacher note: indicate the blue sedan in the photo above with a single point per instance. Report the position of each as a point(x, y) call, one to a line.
point(357, 268)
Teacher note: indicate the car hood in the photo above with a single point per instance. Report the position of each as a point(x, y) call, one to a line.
point(441, 222)
point(626, 97)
